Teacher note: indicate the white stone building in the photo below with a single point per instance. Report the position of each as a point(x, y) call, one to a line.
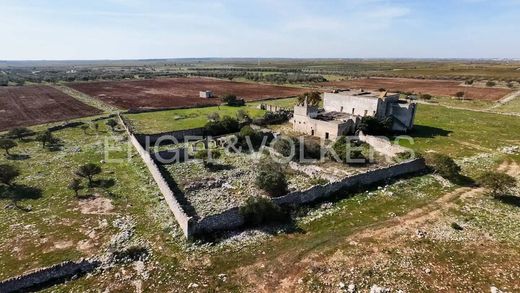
point(342, 113)
point(206, 94)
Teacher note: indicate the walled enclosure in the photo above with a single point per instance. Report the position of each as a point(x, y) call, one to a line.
point(231, 219)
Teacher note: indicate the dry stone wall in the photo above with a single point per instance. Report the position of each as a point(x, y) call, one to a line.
point(382, 145)
point(48, 275)
point(185, 222)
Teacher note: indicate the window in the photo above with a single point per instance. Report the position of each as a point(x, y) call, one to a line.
point(326, 135)
point(353, 109)
point(341, 109)
point(312, 132)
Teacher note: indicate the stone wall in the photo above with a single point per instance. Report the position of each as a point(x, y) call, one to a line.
point(150, 139)
point(180, 215)
point(363, 179)
point(272, 108)
point(47, 276)
point(227, 220)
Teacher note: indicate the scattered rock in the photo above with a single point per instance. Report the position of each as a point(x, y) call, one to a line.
point(420, 233)
point(495, 290)
point(378, 289)
point(351, 288)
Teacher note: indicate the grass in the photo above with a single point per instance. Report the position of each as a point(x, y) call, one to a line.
point(172, 120)
point(510, 107)
point(461, 133)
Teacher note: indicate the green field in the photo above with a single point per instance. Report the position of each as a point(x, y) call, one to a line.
point(172, 120)
point(462, 133)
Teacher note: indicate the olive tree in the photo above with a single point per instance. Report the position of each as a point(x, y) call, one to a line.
point(88, 171)
point(7, 144)
point(8, 173)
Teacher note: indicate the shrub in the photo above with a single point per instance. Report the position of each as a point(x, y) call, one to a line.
point(426, 97)
point(443, 165)
point(243, 116)
point(272, 118)
point(372, 125)
point(206, 154)
point(498, 183)
point(260, 210)
point(491, 83)
point(285, 145)
point(271, 179)
point(232, 100)
point(8, 173)
point(456, 226)
point(19, 133)
point(112, 124)
point(213, 116)
point(311, 149)
point(469, 82)
point(224, 126)
point(345, 152)
point(459, 94)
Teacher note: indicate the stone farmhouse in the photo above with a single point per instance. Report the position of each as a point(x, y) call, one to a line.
point(342, 112)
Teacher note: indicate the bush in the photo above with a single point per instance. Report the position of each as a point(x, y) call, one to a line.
point(224, 126)
point(443, 165)
point(271, 179)
point(425, 97)
point(272, 118)
point(459, 94)
point(469, 82)
point(8, 173)
point(456, 226)
point(260, 210)
point(491, 83)
point(232, 100)
point(255, 138)
point(498, 183)
point(346, 154)
point(213, 116)
point(7, 144)
point(373, 126)
point(19, 133)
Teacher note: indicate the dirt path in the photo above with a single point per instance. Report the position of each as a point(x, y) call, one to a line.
point(506, 99)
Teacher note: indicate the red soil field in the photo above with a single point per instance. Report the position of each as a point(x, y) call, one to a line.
point(31, 105)
point(423, 86)
point(177, 92)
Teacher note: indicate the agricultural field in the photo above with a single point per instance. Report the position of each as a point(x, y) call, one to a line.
point(445, 88)
point(177, 92)
point(32, 105)
point(179, 119)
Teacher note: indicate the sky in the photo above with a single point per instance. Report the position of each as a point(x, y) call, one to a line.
point(143, 29)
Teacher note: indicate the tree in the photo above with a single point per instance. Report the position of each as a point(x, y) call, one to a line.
point(45, 138)
point(491, 83)
point(469, 82)
point(111, 123)
point(459, 95)
point(242, 115)
point(443, 165)
point(232, 100)
point(8, 173)
point(88, 171)
point(498, 183)
point(19, 133)
point(7, 144)
point(271, 179)
point(313, 98)
point(75, 185)
point(374, 126)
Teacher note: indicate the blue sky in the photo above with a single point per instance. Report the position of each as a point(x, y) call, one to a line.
point(130, 29)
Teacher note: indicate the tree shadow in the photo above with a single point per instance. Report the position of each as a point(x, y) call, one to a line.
point(214, 167)
point(463, 180)
point(55, 146)
point(18, 157)
point(17, 193)
point(428, 131)
point(510, 200)
point(103, 183)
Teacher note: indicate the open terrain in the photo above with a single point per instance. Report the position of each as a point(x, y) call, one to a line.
point(32, 105)
point(424, 86)
point(177, 92)
point(367, 238)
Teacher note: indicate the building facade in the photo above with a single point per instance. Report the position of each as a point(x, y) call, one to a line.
point(342, 112)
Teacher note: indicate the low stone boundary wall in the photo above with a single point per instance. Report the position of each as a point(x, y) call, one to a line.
point(48, 275)
point(363, 179)
point(231, 219)
point(382, 145)
point(178, 135)
point(180, 215)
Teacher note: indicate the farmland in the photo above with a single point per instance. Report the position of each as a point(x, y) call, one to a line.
point(433, 87)
point(177, 92)
point(32, 105)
